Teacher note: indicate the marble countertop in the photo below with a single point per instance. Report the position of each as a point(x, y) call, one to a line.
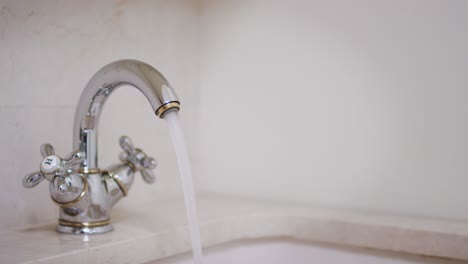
point(157, 230)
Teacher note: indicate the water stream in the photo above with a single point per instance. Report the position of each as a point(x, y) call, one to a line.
point(177, 136)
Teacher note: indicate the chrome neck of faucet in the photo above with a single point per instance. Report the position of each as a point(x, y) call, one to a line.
point(84, 192)
point(142, 76)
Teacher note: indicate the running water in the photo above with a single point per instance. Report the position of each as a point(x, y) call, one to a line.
point(177, 136)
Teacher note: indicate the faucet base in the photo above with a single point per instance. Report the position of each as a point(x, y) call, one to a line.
point(84, 228)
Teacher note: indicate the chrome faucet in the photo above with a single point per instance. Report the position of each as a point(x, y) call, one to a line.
point(84, 192)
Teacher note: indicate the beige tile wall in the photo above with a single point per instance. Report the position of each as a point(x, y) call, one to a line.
point(48, 52)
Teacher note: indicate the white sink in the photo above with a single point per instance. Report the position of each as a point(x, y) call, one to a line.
point(292, 252)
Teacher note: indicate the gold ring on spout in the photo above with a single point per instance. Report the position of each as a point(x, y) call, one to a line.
point(76, 200)
point(163, 108)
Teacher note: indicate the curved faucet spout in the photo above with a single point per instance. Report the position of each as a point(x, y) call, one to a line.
point(142, 76)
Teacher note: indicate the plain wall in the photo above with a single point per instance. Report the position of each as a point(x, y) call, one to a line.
point(48, 52)
point(346, 104)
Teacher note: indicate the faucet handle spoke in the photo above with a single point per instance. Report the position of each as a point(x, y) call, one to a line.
point(33, 179)
point(138, 160)
point(73, 159)
point(47, 150)
point(148, 176)
point(148, 164)
point(127, 145)
point(52, 165)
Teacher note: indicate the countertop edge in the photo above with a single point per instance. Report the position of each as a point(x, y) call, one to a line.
point(416, 236)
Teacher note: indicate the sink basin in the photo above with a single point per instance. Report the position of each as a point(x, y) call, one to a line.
point(283, 251)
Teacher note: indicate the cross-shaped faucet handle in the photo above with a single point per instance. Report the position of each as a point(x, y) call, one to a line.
point(137, 159)
point(52, 165)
